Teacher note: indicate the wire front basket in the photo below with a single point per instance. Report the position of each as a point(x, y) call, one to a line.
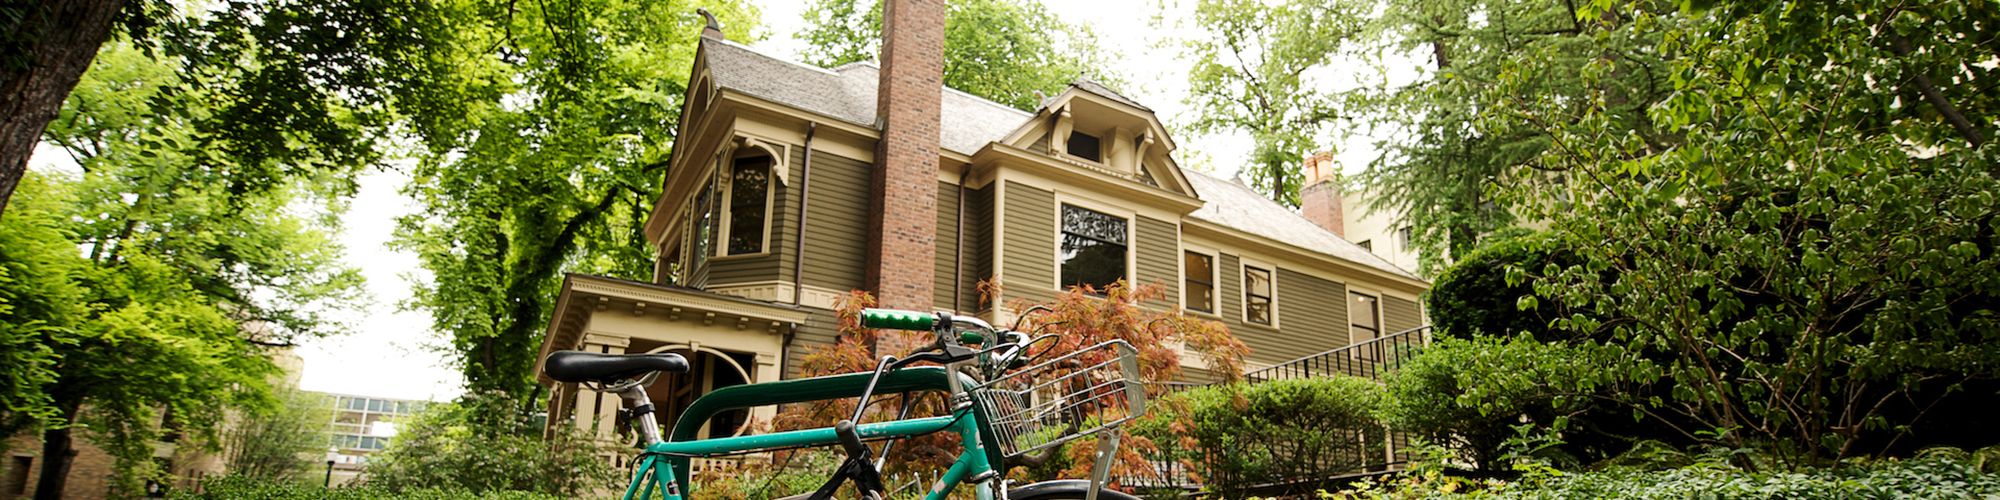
point(1055, 401)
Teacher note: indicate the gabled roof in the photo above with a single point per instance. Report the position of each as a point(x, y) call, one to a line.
point(1088, 85)
point(847, 93)
point(1232, 205)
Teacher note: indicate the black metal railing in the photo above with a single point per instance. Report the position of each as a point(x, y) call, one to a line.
point(1368, 359)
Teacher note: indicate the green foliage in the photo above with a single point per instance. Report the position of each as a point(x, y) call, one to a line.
point(1489, 293)
point(1924, 478)
point(1471, 395)
point(1453, 166)
point(480, 445)
point(274, 443)
point(1235, 436)
point(1252, 63)
point(1003, 50)
point(250, 488)
point(151, 282)
point(1806, 259)
point(792, 473)
point(543, 134)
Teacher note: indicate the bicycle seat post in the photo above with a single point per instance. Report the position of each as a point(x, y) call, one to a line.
point(641, 414)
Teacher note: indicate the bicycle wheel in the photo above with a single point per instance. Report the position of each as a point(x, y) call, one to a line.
point(1064, 489)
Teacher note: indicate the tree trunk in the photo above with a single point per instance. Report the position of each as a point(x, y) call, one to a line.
point(58, 452)
point(57, 41)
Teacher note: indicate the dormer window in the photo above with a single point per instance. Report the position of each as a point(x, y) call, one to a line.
point(1086, 146)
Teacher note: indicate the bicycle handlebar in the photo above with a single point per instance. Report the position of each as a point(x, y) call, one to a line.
point(892, 319)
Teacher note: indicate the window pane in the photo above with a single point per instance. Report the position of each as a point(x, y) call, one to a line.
point(1257, 282)
point(1257, 309)
point(748, 187)
point(1200, 291)
point(1363, 312)
point(1256, 295)
point(1093, 248)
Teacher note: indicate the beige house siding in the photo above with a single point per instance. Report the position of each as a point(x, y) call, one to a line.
point(1030, 253)
point(837, 231)
point(1157, 251)
point(1229, 294)
point(942, 271)
point(820, 329)
point(1315, 315)
point(979, 240)
point(1399, 315)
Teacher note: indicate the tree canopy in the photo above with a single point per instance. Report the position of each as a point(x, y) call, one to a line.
point(1003, 50)
point(155, 278)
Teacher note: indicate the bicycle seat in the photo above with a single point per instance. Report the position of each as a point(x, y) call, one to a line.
point(579, 366)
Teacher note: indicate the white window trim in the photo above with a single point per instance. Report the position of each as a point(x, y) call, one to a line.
point(1131, 236)
point(1243, 265)
point(771, 188)
point(1214, 279)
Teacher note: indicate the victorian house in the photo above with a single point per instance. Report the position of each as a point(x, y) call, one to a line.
point(792, 184)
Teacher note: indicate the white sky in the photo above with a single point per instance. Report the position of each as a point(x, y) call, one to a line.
point(394, 354)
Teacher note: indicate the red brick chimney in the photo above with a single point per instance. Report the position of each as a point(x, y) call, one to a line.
point(902, 236)
point(1319, 201)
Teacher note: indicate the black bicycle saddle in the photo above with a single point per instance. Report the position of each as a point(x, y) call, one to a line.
point(579, 366)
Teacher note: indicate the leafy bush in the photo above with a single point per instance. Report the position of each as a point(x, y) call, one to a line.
point(479, 444)
point(1476, 296)
point(1236, 436)
point(247, 488)
point(1923, 478)
point(1471, 396)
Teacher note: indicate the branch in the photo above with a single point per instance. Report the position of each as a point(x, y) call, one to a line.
point(1931, 93)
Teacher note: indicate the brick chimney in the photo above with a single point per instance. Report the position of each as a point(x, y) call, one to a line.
point(902, 236)
point(1319, 201)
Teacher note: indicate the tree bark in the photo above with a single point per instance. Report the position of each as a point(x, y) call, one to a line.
point(1930, 91)
point(58, 453)
point(58, 40)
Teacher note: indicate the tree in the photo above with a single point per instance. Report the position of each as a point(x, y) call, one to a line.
point(159, 274)
point(1003, 50)
point(1813, 266)
point(1457, 167)
point(1252, 73)
point(273, 443)
point(47, 46)
point(544, 130)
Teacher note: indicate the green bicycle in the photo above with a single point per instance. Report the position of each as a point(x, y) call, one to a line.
point(1004, 403)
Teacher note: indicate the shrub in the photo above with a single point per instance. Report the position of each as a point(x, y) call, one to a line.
point(248, 488)
point(1240, 435)
point(479, 444)
point(1476, 296)
point(1923, 478)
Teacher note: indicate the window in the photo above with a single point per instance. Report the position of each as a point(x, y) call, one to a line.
point(1368, 245)
point(1403, 238)
point(1200, 287)
point(701, 223)
point(1085, 146)
point(1367, 323)
point(749, 189)
point(17, 475)
point(1093, 248)
point(1256, 295)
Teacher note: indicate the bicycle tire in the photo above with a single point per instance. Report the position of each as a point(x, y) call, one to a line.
point(1063, 489)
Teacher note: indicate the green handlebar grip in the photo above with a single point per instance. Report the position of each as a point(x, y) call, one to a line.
point(897, 320)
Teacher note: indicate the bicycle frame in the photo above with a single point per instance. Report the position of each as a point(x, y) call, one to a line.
point(659, 468)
